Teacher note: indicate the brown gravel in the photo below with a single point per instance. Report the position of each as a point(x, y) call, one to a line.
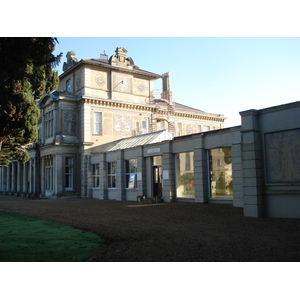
point(182, 232)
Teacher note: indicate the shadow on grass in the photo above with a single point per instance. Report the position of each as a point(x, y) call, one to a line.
point(25, 239)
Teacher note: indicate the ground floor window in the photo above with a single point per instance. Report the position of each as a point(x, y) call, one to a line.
point(48, 173)
point(111, 174)
point(131, 170)
point(96, 175)
point(185, 175)
point(220, 173)
point(69, 173)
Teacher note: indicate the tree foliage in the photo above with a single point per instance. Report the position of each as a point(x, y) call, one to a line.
point(26, 73)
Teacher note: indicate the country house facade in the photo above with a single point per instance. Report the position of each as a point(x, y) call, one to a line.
point(98, 101)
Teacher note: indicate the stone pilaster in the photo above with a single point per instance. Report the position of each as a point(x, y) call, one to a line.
point(13, 178)
point(30, 177)
point(1, 178)
point(42, 179)
point(103, 177)
point(59, 172)
point(8, 188)
point(121, 192)
point(201, 180)
point(237, 171)
point(25, 179)
point(252, 165)
point(141, 171)
point(19, 178)
point(168, 169)
point(89, 177)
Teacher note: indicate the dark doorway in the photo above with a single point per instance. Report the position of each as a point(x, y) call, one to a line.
point(157, 181)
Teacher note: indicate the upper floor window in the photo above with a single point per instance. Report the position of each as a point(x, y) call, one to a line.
point(205, 128)
point(48, 124)
point(161, 125)
point(97, 123)
point(144, 126)
point(179, 129)
point(68, 85)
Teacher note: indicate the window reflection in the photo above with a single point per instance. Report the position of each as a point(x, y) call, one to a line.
point(220, 173)
point(185, 175)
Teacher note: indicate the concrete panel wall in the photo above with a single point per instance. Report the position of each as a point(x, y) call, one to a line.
point(271, 171)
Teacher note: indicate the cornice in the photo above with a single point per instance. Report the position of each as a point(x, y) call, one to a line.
point(116, 104)
point(150, 108)
point(197, 116)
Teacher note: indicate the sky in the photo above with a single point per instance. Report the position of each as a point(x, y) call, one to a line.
point(222, 75)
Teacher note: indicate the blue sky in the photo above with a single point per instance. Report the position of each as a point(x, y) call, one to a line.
point(223, 75)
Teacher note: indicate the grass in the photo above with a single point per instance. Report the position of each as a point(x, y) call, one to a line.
point(25, 239)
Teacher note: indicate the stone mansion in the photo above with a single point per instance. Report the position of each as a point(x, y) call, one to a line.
point(99, 101)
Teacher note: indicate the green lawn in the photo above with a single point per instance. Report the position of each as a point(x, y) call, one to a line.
point(27, 239)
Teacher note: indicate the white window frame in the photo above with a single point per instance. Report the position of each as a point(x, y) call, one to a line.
point(97, 123)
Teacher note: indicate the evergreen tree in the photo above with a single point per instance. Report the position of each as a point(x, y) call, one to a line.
point(25, 75)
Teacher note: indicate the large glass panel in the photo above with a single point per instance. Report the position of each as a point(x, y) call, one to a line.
point(131, 170)
point(185, 175)
point(220, 173)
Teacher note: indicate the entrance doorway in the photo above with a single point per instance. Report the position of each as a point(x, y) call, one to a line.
point(157, 176)
point(157, 181)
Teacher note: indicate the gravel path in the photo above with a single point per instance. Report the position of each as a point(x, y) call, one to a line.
point(185, 232)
